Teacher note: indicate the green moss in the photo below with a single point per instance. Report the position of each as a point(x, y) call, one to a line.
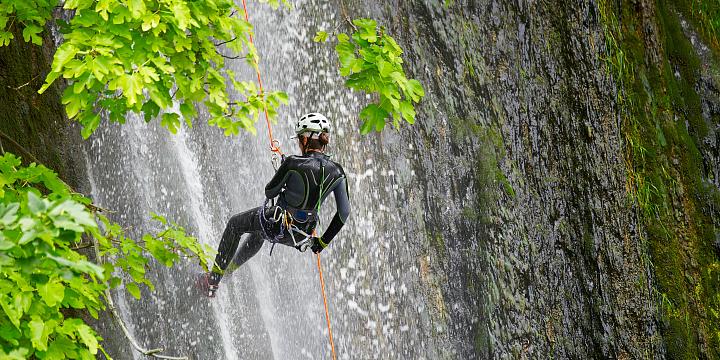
point(437, 243)
point(490, 180)
point(663, 127)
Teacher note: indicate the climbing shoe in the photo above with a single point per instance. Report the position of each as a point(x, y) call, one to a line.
point(204, 285)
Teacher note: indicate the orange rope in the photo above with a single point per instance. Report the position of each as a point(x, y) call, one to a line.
point(276, 149)
point(273, 147)
point(327, 313)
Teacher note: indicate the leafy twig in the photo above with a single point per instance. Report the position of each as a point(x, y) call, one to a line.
point(121, 323)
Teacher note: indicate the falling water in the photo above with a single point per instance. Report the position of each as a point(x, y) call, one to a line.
point(271, 307)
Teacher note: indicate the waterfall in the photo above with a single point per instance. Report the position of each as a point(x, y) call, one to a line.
point(272, 306)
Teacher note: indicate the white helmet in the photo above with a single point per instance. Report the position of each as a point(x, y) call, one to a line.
point(312, 123)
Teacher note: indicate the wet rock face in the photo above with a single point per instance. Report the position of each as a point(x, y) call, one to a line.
point(499, 226)
point(34, 126)
point(519, 163)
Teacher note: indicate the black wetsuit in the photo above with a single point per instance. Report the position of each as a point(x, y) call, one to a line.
point(301, 184)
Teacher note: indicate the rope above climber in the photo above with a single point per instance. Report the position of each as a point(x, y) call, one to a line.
point(290, 213)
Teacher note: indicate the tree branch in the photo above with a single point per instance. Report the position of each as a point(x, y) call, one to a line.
point(234, 57)
point(343, 9)
point(23, 85)
point(121, 323)
point(225, 42)
point(81, 246)
point(19, 147)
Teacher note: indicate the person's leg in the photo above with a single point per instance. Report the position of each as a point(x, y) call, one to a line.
point(246, 222)
point(250, 246)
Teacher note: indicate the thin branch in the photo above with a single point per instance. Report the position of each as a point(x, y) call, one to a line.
point(24, 85)
point(20, 147)
point(350, 22)
point(225, 42)
point(234, 57)
point(343, 9)
point(95, 208)
point(81, 246)
point(123, 327)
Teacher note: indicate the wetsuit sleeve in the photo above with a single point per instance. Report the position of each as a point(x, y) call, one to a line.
point(342, 200)
point(274, 187)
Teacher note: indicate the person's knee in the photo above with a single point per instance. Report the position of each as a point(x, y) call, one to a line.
point(235, 221)
point(254, 240)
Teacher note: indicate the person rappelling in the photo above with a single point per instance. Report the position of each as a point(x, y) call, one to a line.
point(291, 211)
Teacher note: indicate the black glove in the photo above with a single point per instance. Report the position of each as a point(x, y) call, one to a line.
point(317, 245)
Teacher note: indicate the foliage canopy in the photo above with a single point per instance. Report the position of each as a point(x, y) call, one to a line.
point(156, 57)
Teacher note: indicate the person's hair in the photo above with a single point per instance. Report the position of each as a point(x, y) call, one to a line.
point(316, 144)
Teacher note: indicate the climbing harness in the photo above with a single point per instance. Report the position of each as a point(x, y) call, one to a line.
point(277, 153)
point(287, 218)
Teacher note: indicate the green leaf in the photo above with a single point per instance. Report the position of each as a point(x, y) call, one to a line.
point(82, 266)
point(384, 68)
point(408, 112)
point(133, 289)
point(367, 29)
point(75, 212)
point(39, 336)
point(101, 67)
point(63, 55)
point(61, 348)
point(171, 121)
point(35, 203)
point(321, 36)
point(182, 14)
point(71, 4)
point(87, 336)
point(374, 117)
point(52, 292)
point(187, 111)
point(415, 89)
point(30, 32)
point(5, 38)
point(11, 311)
point(5, 244)
point(15, 354)
point(137, 8)
point(150, 109)
point(8, 213)
point(365, 24)
point(132, 87)
point(90, 123)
